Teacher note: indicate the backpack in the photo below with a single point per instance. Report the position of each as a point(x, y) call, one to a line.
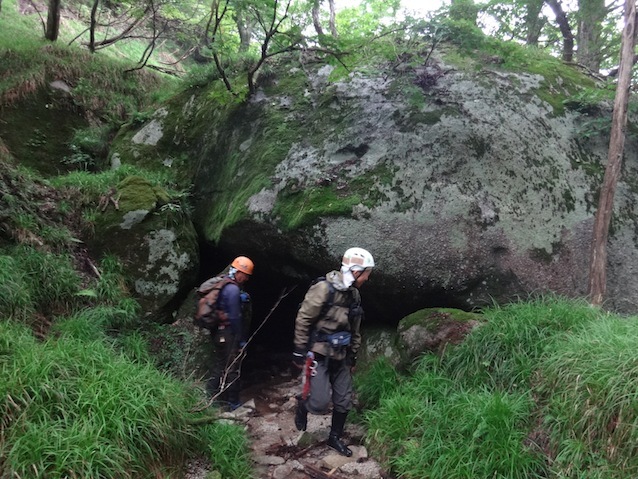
point(327, 304)
point(207, 314)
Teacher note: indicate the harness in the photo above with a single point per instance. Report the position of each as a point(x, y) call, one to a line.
point(336, 340)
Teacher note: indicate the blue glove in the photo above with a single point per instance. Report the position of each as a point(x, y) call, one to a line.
point(244, 296)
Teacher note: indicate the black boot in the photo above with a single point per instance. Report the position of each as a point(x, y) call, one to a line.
point(334, 441)
point(301, 415)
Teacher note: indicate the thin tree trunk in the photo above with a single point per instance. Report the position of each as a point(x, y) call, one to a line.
point(93, 25)
point(53, 20)
point(245, 29)
point(333, 24)
point(565, 29)
point(591, 14)
point(533, 21)
point(315, 17)
point(598, 264)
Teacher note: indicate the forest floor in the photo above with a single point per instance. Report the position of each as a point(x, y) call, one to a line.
point(279, 451)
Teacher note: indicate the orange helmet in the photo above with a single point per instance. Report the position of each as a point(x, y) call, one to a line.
point(243, 264)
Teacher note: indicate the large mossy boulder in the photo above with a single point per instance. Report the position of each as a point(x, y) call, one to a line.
point(155, 240)
point(471, 180)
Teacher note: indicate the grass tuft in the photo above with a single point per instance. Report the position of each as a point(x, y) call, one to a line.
point(76, 408)
point(504, 352)
point(590, 383)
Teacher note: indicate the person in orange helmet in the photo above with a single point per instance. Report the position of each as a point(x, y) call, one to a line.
point(231, 334)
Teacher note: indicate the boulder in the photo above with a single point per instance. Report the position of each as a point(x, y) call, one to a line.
point(470, 183)
point(431, 330)
point(155, 240)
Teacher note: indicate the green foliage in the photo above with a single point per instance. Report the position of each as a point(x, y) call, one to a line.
point(590, 384)
point(228, 449)
point(89, 146)
point(363, 21)
point(172, 350)
point(431, 427)
point(15, 298)
point(135, 346)
point(200, 76)
point(376, 383)
point(76, 409)
point(476, 411)
point(593, 102)
point(504, 352)
point(460, 32)
point(90, 186)
point(472, 434)
point(50, 279)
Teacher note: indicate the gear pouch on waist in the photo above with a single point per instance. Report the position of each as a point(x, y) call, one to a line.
point(339, 340)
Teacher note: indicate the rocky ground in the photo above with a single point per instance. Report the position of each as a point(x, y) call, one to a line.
point(280, 451)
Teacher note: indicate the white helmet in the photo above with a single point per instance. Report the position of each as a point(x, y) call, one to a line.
point(357, 259)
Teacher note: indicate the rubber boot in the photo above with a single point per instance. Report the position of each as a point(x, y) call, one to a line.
point(301, 415)
point(334, 441)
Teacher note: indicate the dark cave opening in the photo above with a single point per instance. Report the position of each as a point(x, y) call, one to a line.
point(276, 297)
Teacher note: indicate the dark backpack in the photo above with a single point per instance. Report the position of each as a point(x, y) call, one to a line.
point(327, 304)
point(207, 313)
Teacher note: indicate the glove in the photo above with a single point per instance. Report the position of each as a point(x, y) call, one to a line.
point(244, 296)
point(351, 359)
point(298, 360)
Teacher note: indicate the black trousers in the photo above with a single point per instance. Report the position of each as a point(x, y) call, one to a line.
point(225, 367)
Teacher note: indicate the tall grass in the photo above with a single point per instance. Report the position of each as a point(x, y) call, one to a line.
point(36, 280)
point(545, 388)
point(431, 427)
point(380, 380)
point(590, 384)
point(504, 352)
point(76, 408)
point(15, 299)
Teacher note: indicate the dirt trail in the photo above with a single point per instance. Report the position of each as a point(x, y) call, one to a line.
point(281, 452)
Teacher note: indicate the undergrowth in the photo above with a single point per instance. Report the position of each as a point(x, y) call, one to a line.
point(77, 408)
point(545, 388)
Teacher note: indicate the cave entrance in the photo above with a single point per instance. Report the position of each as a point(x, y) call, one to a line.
point(275, 300)
point(270, 350)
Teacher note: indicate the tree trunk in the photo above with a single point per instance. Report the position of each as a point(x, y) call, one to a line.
point(565, 29)
point(591, 14)
point(315, 17)
point(598, 264)
point(53, 20)
point(533, 21)
point(93, 25)
point(333, 25)
point(245, 29)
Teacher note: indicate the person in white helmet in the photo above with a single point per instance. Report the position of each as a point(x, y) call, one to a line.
point(327, 339)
